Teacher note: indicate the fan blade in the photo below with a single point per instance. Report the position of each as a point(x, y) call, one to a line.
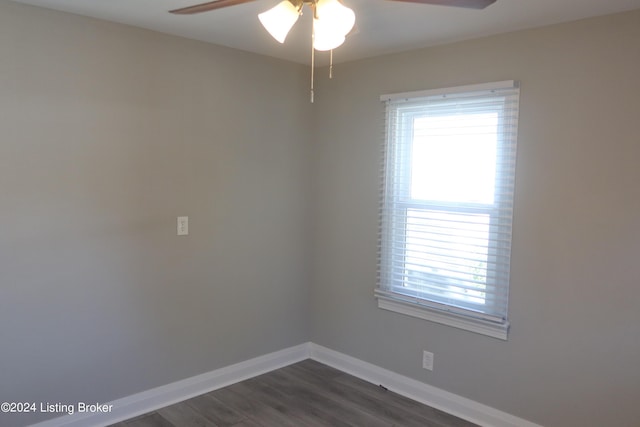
point(469, 4)
point(205, 7)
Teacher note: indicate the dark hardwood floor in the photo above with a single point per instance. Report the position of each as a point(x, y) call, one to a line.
point(306, 394)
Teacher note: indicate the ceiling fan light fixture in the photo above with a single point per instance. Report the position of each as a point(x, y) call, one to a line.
point(279, 20)
point(332, 15)
point(324, 37)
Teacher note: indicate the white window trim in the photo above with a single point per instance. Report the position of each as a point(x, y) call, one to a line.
point(484, 327)
point(437, 313)
point(505, 84)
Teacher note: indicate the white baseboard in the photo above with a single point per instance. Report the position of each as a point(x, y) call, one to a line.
point(150, 400)
point(437, 398)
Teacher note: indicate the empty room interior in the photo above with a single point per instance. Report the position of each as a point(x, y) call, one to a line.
point(112, 131)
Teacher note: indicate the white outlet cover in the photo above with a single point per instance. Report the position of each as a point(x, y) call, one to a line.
point(427, 360)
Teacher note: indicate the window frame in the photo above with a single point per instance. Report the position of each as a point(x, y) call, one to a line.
point(468, 316)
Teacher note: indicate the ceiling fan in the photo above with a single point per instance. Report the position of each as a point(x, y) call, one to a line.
point(219, 4)
point(332, 20)
point(331, 17)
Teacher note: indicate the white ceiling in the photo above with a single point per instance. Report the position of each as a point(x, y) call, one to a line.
point(382, 26)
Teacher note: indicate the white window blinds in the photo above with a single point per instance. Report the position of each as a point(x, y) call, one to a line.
point(447, 203)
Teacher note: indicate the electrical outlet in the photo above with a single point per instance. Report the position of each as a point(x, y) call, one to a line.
point(183, 225)
point(427, 360)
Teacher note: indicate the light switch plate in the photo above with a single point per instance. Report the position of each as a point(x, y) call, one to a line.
point(183, 225)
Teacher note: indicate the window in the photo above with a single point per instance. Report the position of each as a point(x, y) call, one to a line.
point(447, 202)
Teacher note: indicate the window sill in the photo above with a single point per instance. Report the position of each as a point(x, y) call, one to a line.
point(478, 326)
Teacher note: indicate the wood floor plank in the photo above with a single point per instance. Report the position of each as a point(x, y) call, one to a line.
point(320, 369)
point(240, 398)
point(404, 403)
point(214, 410)
point(247, 422)
point(182, 414)
point(150, 420)
point(370, 403)
point(299, 409)
point(306, 394)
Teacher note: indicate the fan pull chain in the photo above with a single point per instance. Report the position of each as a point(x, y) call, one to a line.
point(331, 64)
point(313, 61)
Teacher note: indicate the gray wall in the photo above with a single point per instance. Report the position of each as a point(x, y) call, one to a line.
point(572, 356)
point(108, 133)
